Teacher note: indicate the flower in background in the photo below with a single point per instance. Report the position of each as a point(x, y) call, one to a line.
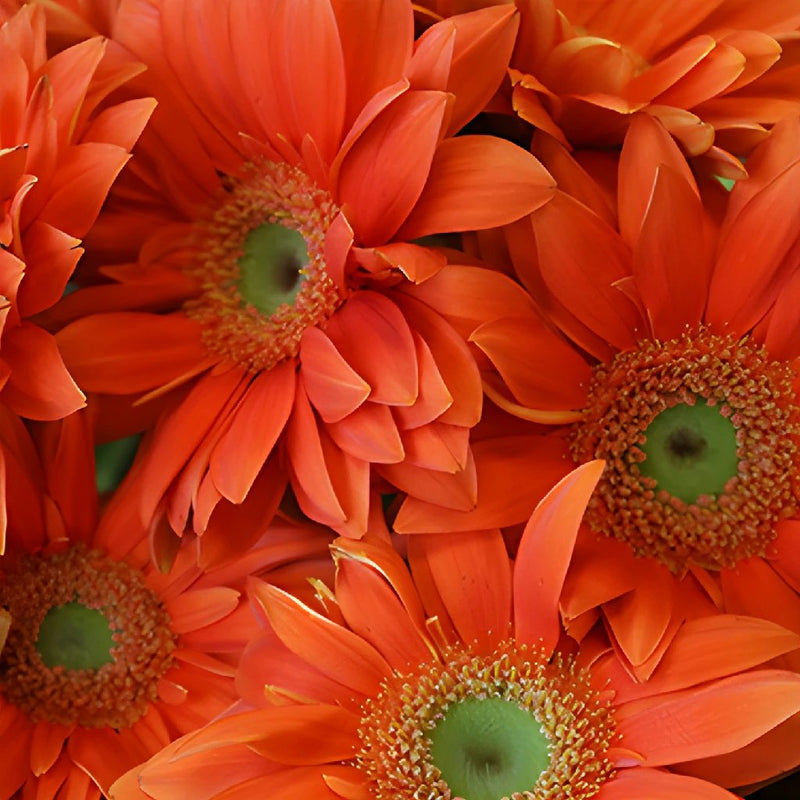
point(107, 659)
point(283, 195)
point(61, 147)
point(455, 679)
point(676, 337)
point(717, 75)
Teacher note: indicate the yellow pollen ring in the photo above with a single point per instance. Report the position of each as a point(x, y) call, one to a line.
point(266, 192)
point(755, 393)
point(395, 750)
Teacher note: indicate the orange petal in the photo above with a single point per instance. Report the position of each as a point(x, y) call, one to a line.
point(125, 364)
point(711, 720)
point(384, 172)
point(335, 651)
point(544, 554)
point(448, 493)
point(454, 365)
point(374, 338)
point(244, 448)
point(478, 182)
point(370, 434)
point(472, 573)
point(377, 39)
point(39, 387)
point(742, 289)
point(656, 784)
point(581, 258)
point(502, 465)
point(334, 388)
point(483, 43)
point(672, 271)
point(706, 649)
point(540, 368)
point(46, 745)
point(200, 607)
point(437, 446)
point(374, 612)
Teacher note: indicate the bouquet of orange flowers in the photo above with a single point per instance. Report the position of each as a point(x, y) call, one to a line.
point(399, 400)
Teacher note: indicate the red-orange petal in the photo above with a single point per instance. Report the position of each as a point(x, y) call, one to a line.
point(125, 364)
point(39, 386)
point(478, 182)
point(544, 554)
point(334, 650)
point(244, 448)
point(711, 720)
point(659, 785)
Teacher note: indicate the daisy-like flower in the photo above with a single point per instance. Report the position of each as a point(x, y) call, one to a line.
point(717, 74)
point(454, 679)
point(679, 366)
point(282, 192)
point(60, 151)
point(107, 659)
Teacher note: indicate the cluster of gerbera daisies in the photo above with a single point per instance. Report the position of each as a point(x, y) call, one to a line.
point(399, 400)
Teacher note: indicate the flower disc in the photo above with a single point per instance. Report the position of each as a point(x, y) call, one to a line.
point(88, 640)
point(700, 435)
point(260, 262)
point(511, 724)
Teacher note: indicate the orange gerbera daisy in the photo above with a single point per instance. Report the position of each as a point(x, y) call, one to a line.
point(455, 680)
point(681, 351)
point(283, 194)
point(59, 154)
point(715, 72)
point(106, 658)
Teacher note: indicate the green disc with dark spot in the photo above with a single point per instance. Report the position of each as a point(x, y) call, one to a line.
point(270, 266)
point(488, 749)
point(691, 451)
point(75, 637)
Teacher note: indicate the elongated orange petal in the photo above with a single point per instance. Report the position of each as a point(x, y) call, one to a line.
point(502, 466)
point(483, 43)
point(581, 258)
point(472, 573)
point(437, 446)
point(672, 272)
point(334, 388)
point(374, 338)
point(377, 40)
point(540, 368)
point(374, 611)
point(382, 176)
point(39, 386)
point(717, 718)
point(705, 649)
point(742, 290)
point(478, 182)
point(244, 448)
point(334, 650)
point(544, 554)
point(125, 363)
point(659, 785)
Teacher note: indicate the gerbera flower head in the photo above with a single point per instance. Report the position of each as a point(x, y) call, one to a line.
point(717, 75)
point(454, 679)
point(676, 356)
point(61, 147)
point(283, 205)
point(106, 659)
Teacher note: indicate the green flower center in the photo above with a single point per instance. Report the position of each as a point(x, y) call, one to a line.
point(510, 724)
point(88, 640)
point(690, 451)
point(272, 266)
point(700, 435)
point(75, 637)
point(260, 261)
point(488, 749)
